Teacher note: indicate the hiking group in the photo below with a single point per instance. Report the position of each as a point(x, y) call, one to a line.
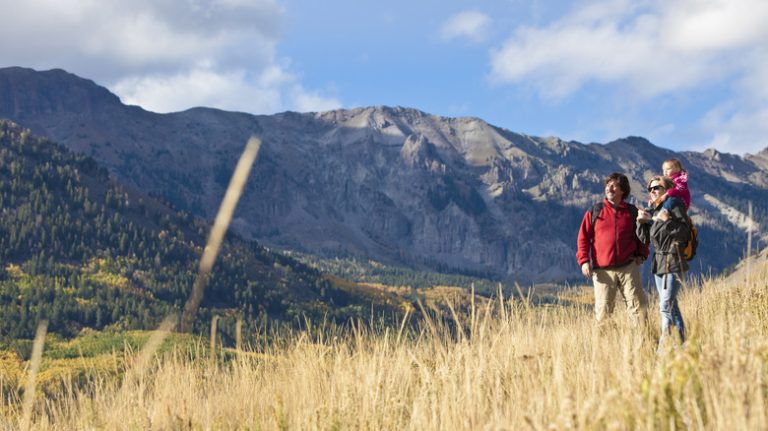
point(614, 240)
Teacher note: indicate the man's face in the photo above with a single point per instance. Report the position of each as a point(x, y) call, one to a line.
point(613, 192)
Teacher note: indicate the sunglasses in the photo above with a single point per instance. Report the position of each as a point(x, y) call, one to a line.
point(655, 188)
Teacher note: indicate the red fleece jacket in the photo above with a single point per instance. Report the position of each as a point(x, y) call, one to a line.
point(612, 242)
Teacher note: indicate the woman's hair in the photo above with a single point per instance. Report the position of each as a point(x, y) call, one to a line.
point(666, 182)
point(676, 163)
point(622, 180)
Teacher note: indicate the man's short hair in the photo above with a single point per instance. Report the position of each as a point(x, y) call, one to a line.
point(623, 183)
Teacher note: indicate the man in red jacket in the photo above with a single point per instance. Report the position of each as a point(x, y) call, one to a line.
point(609, 252)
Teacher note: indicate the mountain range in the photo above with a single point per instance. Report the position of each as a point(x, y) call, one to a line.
point(81, 250)
point(389, 184)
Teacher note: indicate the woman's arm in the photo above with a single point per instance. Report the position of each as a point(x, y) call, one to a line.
point(643, 229)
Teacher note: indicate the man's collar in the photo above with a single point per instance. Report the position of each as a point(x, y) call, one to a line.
point(619, 205)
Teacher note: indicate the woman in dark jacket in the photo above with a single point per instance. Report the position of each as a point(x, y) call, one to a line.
point(668, 233)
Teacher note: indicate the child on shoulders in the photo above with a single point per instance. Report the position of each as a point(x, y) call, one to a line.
point(677, 195)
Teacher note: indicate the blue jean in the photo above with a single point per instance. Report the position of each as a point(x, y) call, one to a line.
point(668, 286)
point(671, 202)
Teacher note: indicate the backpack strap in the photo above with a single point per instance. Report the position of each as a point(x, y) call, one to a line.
point(595, 213)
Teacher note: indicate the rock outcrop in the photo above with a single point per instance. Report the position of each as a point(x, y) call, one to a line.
point(387, 183)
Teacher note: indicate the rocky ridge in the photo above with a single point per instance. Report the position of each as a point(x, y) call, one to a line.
point(391, 184)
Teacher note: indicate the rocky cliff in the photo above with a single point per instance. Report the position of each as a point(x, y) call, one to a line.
point(387, 183)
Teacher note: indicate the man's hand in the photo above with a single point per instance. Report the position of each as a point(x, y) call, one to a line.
point(586, 269)
point(643, 216)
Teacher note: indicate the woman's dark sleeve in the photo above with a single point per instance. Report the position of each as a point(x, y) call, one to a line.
point(643, 232)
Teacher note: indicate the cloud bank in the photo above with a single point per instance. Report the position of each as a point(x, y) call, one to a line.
point(649, 49)
point(165, 55)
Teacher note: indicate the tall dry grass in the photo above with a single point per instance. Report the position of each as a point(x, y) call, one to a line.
point(512, 367)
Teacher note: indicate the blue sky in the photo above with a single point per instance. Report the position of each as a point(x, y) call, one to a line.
point(686, 74)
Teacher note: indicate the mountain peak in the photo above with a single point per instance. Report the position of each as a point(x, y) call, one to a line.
point(637, 142)
point(391, 184)
point(26, 92)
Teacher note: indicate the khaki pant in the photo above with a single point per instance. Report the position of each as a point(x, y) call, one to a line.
point(625, 280)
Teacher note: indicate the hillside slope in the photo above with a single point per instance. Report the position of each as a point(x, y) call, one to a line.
point(82, 250)
point(394, 185)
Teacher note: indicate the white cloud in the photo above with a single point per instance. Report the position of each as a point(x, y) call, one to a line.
point(736, 130)
point(164, 55)
point(200, 87)
point(616, 44)
point(472, 25)
point(141, 34)
point(642, 50)
point(308, 101)
point(696, 25)
point(272, 91)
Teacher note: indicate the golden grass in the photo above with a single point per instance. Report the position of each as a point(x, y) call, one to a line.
point(34, 366)
point(510, 367)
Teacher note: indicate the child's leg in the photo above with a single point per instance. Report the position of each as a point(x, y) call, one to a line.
point(670, 203)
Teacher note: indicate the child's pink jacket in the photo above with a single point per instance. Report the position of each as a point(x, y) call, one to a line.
point(681, 188)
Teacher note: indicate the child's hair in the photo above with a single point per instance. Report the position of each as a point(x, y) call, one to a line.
point(676, 163)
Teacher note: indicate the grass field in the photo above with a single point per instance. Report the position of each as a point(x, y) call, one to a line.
point(505, 365)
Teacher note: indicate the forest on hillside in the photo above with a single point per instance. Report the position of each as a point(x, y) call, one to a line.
point(80, 250)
